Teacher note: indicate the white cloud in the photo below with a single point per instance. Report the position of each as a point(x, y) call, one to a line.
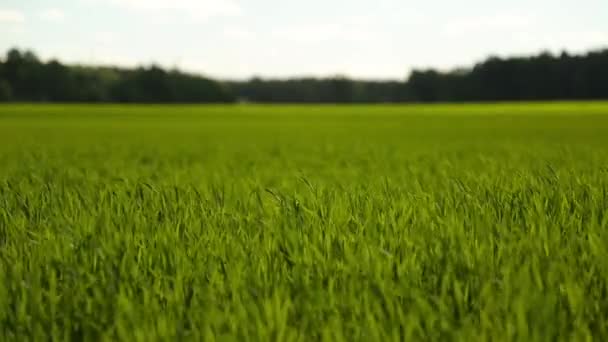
point(324, 32)
point(9, 16)
point(586, 39)
point(238, 33)
point(53, 15)
point(196, 8)
point(485, 24)
point(104, 38)
point(573, 41)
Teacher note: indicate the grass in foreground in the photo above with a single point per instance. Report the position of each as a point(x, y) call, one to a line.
point(484, 222)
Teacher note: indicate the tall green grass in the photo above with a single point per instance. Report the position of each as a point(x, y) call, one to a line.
point(288, 223)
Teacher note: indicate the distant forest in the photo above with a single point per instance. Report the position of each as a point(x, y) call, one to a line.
point(25, 78)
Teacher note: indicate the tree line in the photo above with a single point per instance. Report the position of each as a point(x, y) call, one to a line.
point(24, 77)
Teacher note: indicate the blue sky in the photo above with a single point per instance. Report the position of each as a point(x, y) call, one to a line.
point(240, 38)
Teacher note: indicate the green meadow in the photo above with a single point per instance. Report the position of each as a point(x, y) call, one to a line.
point(299, 223)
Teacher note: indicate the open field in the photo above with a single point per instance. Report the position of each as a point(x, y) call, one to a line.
point(286, 223)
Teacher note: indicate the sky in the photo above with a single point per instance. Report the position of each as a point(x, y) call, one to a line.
point(238, 39)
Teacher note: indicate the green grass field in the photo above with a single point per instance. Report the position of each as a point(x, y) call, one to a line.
point(295, 223)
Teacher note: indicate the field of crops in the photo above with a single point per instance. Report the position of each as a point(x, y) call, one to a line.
point(294, 223)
